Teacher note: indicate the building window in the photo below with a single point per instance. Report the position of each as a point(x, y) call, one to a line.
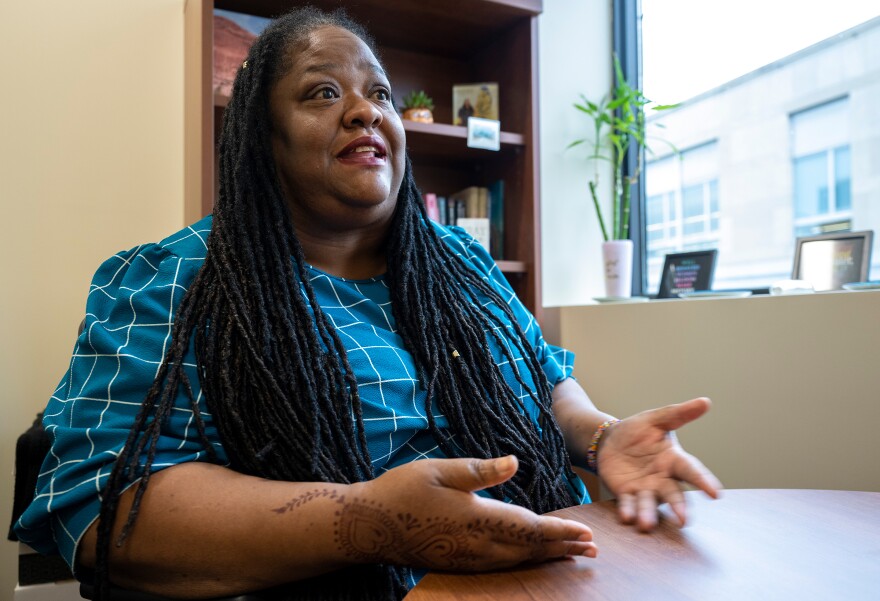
point(820, 164)
point(793, 128)
point(682, 207)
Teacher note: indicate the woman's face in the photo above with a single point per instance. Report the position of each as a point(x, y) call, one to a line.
point(337, 140)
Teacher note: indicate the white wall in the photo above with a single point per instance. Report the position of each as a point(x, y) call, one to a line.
point(91, 162)
point(574, 43)
point(794, 380)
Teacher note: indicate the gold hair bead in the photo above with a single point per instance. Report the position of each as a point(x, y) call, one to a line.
point(244, 65)
point(455, 353)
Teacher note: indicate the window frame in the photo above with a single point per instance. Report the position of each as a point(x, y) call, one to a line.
point(627, 44)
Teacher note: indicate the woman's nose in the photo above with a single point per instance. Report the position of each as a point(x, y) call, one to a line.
point(362, 113)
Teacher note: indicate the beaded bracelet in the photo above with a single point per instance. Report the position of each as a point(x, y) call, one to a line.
point(593, 450)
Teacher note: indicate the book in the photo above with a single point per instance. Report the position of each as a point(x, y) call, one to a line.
point(482, 202)
point(496, 218)
point(474, 100)
point(460, 210)
point(475, 199)
point(478, 227)
point(443, 206)
point(431, 206)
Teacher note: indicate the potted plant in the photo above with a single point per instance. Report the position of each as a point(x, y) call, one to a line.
point(417, 106)
point(618, 123)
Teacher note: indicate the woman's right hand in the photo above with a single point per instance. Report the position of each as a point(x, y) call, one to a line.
point(425, 514)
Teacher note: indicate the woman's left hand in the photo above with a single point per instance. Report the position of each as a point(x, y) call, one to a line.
point(642, 463)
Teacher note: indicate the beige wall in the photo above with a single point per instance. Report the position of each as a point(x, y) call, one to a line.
point(795, 381)
point(91, 162)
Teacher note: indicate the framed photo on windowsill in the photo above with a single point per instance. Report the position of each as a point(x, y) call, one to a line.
point(829, 261)
point(687, 272)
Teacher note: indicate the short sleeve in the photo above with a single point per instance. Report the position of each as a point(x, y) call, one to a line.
point(557, 362)
point(129, 316)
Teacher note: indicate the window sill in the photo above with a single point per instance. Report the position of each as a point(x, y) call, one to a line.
point(752, 298)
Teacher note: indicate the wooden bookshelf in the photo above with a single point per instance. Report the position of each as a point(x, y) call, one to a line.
point(423, 45)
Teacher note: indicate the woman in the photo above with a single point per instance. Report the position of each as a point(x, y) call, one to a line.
point(299, 352)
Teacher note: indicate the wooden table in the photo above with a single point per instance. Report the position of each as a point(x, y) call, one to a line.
point(777, 545)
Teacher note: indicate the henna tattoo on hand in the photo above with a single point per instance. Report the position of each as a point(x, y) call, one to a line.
point(367, 532)
point(309, 496)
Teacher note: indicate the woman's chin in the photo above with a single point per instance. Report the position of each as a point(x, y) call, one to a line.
point(367, 197)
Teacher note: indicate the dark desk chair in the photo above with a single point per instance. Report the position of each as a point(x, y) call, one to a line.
point(35, 569)
point(43, 576)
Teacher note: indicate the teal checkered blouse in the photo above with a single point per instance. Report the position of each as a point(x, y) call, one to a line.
point(129, 315)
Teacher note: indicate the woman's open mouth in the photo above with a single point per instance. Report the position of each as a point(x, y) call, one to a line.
point(366, 150)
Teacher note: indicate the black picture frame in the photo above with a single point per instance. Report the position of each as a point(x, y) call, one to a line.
point(828, 261)
point(698, 268)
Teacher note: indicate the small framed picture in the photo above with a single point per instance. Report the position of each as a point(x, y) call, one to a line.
point(484, 133)
point(474, 100)
point(687, 272)
point(829, 261)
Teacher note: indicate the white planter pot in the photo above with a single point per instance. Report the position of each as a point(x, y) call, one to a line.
point(617, 257)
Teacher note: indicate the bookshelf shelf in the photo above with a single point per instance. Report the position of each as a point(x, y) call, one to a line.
point(456, 132)
point(427, 46)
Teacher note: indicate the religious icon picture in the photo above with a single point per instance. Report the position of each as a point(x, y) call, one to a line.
point(474, 100)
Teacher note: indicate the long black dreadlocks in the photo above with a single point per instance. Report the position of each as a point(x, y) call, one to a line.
point(274, 372)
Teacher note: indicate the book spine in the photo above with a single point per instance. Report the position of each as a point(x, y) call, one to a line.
point(443, 207)
point(482, 202)
point(460, 209)
point(431, 206)
point(496, 218)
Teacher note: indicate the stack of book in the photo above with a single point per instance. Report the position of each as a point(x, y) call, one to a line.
point(477, 209)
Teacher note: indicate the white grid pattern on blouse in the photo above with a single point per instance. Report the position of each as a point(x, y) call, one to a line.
point(130, 311)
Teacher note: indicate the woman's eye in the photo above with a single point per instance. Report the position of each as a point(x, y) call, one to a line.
point(383, 95)
point(325, 94)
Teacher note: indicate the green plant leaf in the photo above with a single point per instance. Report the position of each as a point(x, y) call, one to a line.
point(418, 99)
point(617, 102)
point(618, 121)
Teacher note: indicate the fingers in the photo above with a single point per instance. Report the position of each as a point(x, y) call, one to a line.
point(626, 508)
point(550, 538)
point(689, 469)
point(646, 510)
point(560, 549)
point(505, 555)
point(673, 417)
point(475, 474)
point(641, 507)
point(672, 494)
point(558, 529)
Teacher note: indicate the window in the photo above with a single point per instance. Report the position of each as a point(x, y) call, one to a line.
point(820, 163)
point(779, 139)
point(682, 207)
